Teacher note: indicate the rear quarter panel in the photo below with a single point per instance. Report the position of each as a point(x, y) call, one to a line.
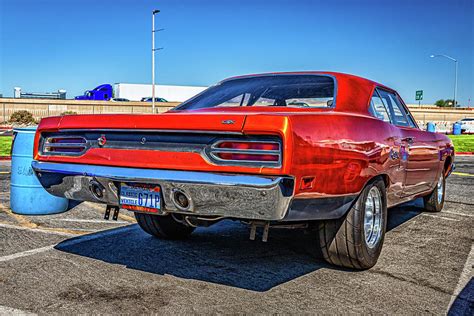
point(342, 151)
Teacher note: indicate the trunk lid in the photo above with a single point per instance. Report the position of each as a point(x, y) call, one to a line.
point(168, 121)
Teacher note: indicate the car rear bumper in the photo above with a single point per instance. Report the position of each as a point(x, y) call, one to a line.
point(210, 194)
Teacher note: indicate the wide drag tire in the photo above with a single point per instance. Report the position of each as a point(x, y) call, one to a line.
point(434, 202)
point(164, 227)
point(355, 240)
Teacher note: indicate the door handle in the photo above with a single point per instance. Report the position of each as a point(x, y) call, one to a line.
point(408, 139)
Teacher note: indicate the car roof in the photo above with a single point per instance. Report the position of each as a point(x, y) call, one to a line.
point(353, 93)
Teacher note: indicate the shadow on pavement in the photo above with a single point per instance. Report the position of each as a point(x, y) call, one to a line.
point(221, 254)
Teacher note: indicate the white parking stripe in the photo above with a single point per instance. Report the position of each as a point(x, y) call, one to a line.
point(26, 253)
point(37, 230)
point(441, 217)
point(460, 214)
point(69, 242)
point(5, 310)
point(89, 220)
point(88, 237)
point(464, 278)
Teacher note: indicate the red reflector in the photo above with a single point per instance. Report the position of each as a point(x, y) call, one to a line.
point(249, 145)
point(248, 157)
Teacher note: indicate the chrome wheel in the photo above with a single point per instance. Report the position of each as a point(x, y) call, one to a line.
point(440, 189)
point(373, 217)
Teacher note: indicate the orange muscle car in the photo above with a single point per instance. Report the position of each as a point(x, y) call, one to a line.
point(323, 150)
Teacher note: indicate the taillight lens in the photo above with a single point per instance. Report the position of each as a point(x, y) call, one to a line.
point(249, 157)
point(64, 145)
point(255, 153)
point(249, 145)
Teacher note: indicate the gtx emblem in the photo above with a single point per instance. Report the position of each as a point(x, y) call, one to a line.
point(227, 122)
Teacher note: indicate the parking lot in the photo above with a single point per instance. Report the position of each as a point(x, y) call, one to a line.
point(77, 262)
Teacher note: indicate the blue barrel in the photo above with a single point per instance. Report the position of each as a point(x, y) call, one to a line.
point(431, 127)
point(456, 129)
point(27, 196)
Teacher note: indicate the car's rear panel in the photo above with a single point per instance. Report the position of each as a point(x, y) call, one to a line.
point(175, 141)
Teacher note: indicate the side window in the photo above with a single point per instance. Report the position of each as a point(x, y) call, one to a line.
point(378, 109)
point(399, 115)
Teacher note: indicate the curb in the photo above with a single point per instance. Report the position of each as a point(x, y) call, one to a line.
point(5, 158)
point(465, 153)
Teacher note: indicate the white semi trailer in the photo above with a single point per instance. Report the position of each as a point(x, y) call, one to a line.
point(135, 92)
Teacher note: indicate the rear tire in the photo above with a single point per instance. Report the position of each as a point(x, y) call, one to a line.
point(434, 202)
point(355, 240)
point(163, 227)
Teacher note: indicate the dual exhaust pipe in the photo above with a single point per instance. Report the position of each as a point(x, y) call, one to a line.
point(180, 199)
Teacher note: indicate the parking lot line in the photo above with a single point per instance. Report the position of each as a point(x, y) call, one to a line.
point(5, 310)
point(459, 214)
point(124, 217)
point(463, 174)
point(464, 277)
point(79, 220)
point(22, 220)
point(26, 253)
point(38, 230)
point(100, 234)
point(441, 217)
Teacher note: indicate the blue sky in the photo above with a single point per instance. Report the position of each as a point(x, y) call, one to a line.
point(75, 45)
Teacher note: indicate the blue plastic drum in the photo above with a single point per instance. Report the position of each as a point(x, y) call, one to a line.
point(456, 129)
point(27, 196)
point(431, 127)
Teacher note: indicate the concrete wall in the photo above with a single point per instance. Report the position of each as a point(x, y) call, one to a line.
point(135, 92)
point(43, 108)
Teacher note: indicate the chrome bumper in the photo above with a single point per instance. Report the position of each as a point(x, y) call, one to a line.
point(211, 194)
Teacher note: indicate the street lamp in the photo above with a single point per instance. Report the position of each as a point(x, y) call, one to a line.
point(153, 59)
point(455, 73)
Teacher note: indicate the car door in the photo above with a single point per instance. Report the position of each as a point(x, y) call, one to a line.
point(419, 154)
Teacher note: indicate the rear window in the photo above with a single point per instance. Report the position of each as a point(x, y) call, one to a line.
point(313, 91)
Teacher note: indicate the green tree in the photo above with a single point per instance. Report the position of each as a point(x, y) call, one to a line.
point(440, 103)
point(445, 103)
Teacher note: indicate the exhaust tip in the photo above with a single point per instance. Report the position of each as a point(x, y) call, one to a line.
point(97, 189)
point(181, 200)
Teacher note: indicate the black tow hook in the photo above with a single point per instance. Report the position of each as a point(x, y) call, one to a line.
point(110, 208)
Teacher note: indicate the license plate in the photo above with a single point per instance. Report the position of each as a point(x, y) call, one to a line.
point(140, 197)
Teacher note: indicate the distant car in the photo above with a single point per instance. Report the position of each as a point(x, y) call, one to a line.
point(119, 100)
point(467, 125)
point(149, 99)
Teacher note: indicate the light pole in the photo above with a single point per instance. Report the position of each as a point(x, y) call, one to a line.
point(153, 59)
point(455, 74)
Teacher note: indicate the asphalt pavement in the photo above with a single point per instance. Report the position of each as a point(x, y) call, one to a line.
point(76, 262)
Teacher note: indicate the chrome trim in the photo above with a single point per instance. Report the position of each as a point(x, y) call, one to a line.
point(213, 149)
point(303, 73)
point(46, 143)
point(212, 194)
point(181, 131)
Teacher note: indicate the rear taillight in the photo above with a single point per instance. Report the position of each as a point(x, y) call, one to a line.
point(254, 153)
point(70, 145)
